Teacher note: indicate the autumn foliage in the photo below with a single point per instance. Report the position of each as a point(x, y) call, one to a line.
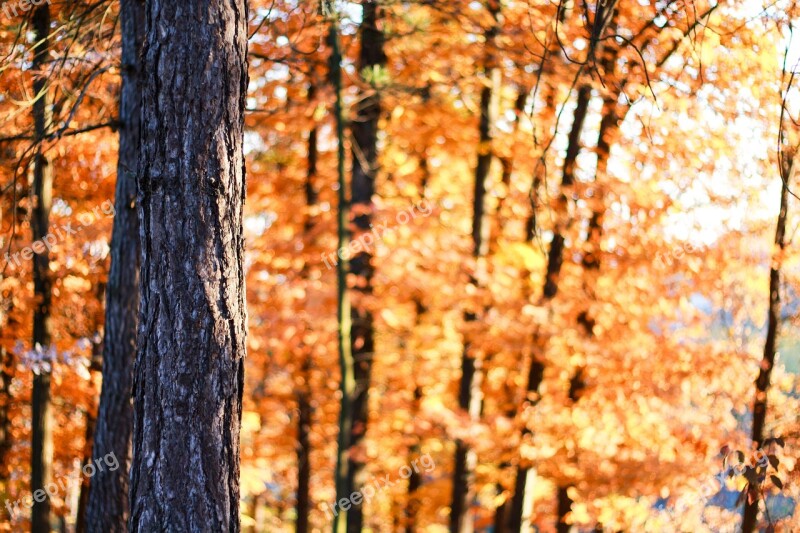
point(617, 310)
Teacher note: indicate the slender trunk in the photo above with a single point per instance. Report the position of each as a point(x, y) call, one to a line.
point(609, 125)
point(549, 291)
point(548, 124)
point(415, 479)
point(470, 383)
point(189, 369)
point(108, 508)
point(750, 519)
point(6, 376)
point(305, 410)
point(303, 461)
point(564, 507)
point(364, 128)
point(346, 383)
point(42, 436)
point(91, 424)
point(501, 513)
point(507, 164)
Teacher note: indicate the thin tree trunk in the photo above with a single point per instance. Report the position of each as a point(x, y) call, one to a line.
point(189, 369)
point(609, 125)
point(108, 508)
point(469, 387)
point(364, 128)
point(41, 433)
point(6, 375)
point(549, 290)
point(501, 512)
point(346, 383)
point(303, 461)
point(507, 164)
point(91, 424)
point(305, 410)
point(750, 519)
point(415, 479)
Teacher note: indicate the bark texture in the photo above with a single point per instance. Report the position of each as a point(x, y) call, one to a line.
point(107, 508)
point(189, 370)
point(41, 431)
point(364, 130)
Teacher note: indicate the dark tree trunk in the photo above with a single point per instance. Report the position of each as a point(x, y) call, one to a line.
point(564, 507)
point(303, 461)
point(364, 129)
point(415, 479)
point(6, 375)
point(507, 164)
point(108, 508)
point(470, 382)
point(549, 291)
point(41, 433)
point(346, 381)
point(750, 519)
point(501, 513)
point(91, 424)
point(189, 369)
point(305, 410)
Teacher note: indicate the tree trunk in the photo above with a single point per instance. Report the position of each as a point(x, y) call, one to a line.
point(6, 376)
point(750, 519)
point(507, 164)
point(108, 508)
point(470, 383)
point(189, 369)
point(305, 410)
point(415, 479)
point(303, 462)
point(346, 382)
point(41, 433)
point(549, 291)
point(364, 128)
point(501, 512)
point(91, 424)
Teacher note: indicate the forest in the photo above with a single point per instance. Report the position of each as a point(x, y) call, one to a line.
point(448, 266)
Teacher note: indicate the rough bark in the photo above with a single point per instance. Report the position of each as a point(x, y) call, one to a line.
point(549, 291)
point(470, 382)
point(364, 129)
point(750, 519)
point(189, 369)
point(41, 432)
point(108, 508)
